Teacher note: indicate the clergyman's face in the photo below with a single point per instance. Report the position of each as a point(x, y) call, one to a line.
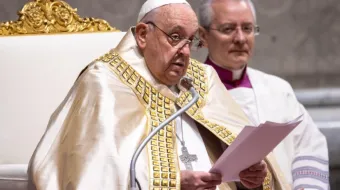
point(166, 61)
point(230, 37)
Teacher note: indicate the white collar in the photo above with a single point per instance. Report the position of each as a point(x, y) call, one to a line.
point(236, 74)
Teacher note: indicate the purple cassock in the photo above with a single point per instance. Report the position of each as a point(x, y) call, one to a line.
point(226, 77)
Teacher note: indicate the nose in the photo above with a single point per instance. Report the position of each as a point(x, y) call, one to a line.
point(185, 49)
point(239, 37)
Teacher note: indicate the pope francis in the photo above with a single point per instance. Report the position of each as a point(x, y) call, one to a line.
point(123, 95)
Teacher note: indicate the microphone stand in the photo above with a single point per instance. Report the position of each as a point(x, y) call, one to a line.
point(185, 84)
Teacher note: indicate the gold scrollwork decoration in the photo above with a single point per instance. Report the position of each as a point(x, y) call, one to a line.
point(52, 16)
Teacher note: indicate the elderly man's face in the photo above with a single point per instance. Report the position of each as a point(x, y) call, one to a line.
point(230, 37)
point(165, 57)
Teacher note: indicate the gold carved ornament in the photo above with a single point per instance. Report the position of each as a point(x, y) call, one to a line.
point(52, 16)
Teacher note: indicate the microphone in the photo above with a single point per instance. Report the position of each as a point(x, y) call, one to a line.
point(185, 84)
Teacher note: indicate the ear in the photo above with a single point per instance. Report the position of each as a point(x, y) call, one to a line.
point(141, 33)
point(203, 34)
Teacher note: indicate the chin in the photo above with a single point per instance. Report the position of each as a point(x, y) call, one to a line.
point(239, 63)
point(171, 82)
point(173, 79)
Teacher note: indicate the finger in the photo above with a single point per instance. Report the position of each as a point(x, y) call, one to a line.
point(211, 177)
point(204, 185)
point(215, 182)
point(210, 184)
point(210, 188)
point(259, 166)
point(254, 180)
point(248, 184)
point(246, 173)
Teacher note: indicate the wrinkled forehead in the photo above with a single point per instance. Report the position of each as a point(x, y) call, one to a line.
point(178, 16)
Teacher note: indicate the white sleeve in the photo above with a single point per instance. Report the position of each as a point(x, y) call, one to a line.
point(310, 166)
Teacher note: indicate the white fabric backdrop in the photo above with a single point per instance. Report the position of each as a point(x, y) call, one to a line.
point(36, 73)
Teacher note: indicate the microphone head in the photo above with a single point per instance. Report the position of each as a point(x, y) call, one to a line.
point(185, 84)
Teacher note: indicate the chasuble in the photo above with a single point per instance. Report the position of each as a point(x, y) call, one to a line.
point(112, 106)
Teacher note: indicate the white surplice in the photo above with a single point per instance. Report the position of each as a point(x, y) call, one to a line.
point(303, 155)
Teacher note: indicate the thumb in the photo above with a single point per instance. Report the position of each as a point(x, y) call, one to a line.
point(211, 177)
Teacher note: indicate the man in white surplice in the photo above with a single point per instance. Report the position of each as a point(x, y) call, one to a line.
point(123, 95)
point(228, 29)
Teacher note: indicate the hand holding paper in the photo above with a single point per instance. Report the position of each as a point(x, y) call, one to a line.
point(254, 176)
point(251, 146)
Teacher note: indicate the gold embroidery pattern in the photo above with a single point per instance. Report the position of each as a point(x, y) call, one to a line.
point(197, 73)
point(164, 170)
point(267, 184)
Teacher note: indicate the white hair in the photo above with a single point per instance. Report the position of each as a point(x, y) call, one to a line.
point(205, 12)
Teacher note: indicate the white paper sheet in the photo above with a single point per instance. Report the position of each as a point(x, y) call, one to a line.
point(251, 146)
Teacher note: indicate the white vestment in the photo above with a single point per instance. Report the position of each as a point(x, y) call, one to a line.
point(194, 143)
point(303, 155)
point(113, 105)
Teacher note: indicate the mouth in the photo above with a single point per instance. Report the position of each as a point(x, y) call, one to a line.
point(179, 64)
point(238, 51)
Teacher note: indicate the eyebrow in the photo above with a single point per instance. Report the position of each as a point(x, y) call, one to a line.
point(233, 23)
point(176, 28)
point(179, 28)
